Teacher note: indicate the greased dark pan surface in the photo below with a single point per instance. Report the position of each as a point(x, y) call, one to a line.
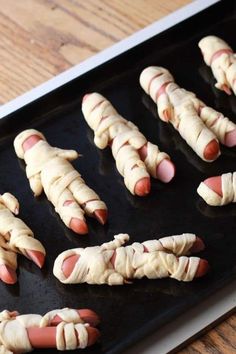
point(128, 312)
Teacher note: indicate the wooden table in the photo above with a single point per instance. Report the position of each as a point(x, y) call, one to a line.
point(41, 38)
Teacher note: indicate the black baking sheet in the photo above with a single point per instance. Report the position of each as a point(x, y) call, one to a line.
point(128, 312)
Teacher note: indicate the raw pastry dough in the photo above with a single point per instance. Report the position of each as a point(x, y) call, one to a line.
point(109, 126)
point(94, 266)
point(14, 337)
point(15, 235)
point(228, 183)
point(220, 57)
point(196, 123)
point(48, 168)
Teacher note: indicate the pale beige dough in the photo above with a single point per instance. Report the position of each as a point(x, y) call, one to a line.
point(109, 126)
point(14, 337)
point(228, 184)
point(15, 235)
point(94, 266)
point(48, 168)
point(197, 124)
point(222, 66)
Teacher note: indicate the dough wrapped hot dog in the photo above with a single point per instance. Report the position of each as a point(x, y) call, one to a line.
point(220, 57)
point(15, 237)
point(113, 264)
point(200, 126)
point(135, 157)
point(48, 168)
point(219, 190)
point(63, 329)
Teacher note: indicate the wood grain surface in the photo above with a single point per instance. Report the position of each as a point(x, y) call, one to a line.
point(41, 38)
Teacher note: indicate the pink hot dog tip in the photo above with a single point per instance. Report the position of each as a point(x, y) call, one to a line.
point(30, 142)
point(143, 187)
point(93, 335)
point(165, 171)
point(7, 274)
point(198, 245)
point(85, 97)
point(37, 257)
point(203, 268)
point(226, 89)
point(79, 226)
point(230, 138)
point(101, 215)
point(214, 183)
point(69, 264)
point(211, 150)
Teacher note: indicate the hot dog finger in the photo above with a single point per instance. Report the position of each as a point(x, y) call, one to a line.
point(128, 145)
point(23, 333)
point(62, 184)
point(46, 337)
point(164, 170)
point(77, 225)
point(182, 109)
point(220, 57)
point(19, 238)
point(203, 266)
point(219, 190)
point(223, 128)
point(180, 245)
point(196, 246)
point(153, 259)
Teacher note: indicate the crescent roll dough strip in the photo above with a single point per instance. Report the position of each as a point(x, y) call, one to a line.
point(15, 235)
point(49, 168)
point(228, 185)
point(153, 259)
point(109, 127)
point(184, 110)
point(220, 57)
point(14, 336)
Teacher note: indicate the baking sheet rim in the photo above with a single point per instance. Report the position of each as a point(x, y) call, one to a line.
point(224, 301)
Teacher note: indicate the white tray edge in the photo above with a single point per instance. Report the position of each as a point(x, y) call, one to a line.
point(189, 325)
point(224, 301)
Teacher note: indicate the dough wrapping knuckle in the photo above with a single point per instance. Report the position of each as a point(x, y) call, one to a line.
point(66, 314)
point(153, 259)
point(218, 124)
point(124, 138)
point(228, 184)
point(48, 168)
point(15, 235)
point(67, 334)
point(197, 124)
point(220, 57)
